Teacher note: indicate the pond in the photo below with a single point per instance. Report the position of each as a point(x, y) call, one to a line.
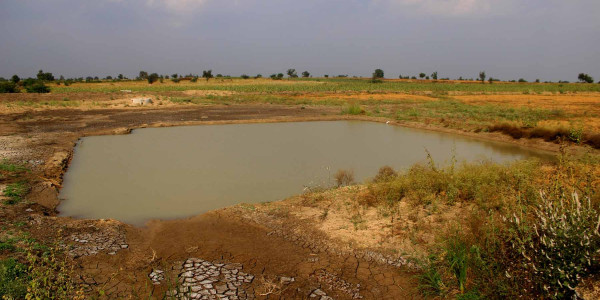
point(175, 172)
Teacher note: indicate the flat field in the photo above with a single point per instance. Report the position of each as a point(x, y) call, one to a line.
point(459, 231)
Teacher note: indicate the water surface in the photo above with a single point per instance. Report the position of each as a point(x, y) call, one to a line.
point(166, 173)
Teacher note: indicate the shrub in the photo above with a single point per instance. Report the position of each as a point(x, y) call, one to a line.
point(152, 78)
point(344, 177)
point(13, 278)
point(305, 74)
point(8, 87)
point(38, 87)
point(175, 80)
point(15, 78)
point(558, 245)
point(385, 173)
point(244, 76)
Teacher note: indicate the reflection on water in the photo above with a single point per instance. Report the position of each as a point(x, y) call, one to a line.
point(166, 173)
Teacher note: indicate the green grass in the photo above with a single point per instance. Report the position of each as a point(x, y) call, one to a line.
point(352, 109)
point(15, 192)
point(338, 85)
point(13, 279)
point(462, 115)
point(6, 166)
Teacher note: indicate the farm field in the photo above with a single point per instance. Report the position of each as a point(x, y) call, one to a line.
point(431, 230)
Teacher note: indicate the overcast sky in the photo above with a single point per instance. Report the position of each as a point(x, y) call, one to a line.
point(509, 39)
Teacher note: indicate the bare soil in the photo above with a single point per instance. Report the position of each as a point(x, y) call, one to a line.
point(288, 239)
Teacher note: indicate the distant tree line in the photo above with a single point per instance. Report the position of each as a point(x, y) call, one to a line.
point(39, 84)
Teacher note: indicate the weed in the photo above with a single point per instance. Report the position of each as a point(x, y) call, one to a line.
point(15, 192)
point(358, 222)
point(456, 257)
point(430, 282)
point(6, 166)
point(344, 177)
point(558, 245)
point(352, 109)
point(13, 279)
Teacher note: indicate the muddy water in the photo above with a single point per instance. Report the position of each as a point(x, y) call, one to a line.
point(166, 173)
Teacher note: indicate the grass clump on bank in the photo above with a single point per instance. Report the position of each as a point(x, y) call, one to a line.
point(15, 192)
point(511, 239)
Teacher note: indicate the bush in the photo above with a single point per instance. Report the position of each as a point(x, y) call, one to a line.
point(558, 245)
point(244, 76)
point(344, 177)
point(13, 278)
point(152, 78)
point(385, 173)
point(38, 87)
point(8, 87)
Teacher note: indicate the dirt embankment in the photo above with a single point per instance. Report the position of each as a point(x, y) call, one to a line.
point(278, 252)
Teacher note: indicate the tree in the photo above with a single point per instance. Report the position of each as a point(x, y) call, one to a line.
point(305, 74)
point(45, 76)
point(120, 76)
point(174, 76)
point(482, 76)
point(378, 74)
point(258, 76)
point(143, 75)
point(152, 78)
point(522, 80)
point(108, 77)
point(292, 73)
point(326, 76)
point(15, 79)
point(244, 76)
point(280, 76)
point(585, 78)
point(422, 75)
point(434, 75)
point(207, 74)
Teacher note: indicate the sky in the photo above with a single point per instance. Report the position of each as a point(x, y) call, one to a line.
point(508, 39)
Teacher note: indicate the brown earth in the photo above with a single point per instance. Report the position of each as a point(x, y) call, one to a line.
point(273, 243)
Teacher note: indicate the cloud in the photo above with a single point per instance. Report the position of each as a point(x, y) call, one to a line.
point(177, 6)
point(451, 7)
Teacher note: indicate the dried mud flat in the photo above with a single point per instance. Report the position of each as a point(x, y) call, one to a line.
point(232, 253)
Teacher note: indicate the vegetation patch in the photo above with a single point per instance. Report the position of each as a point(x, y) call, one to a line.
point(15, 192)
